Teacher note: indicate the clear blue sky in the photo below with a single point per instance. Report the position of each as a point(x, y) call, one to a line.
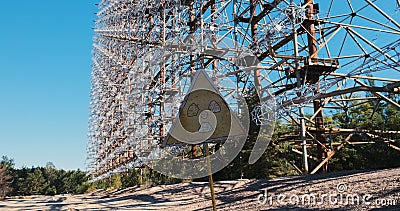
point(45, 58)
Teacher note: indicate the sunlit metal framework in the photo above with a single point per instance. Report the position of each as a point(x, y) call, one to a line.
point(314, 55)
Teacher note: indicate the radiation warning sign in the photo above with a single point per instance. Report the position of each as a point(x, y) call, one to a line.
point(204, 116)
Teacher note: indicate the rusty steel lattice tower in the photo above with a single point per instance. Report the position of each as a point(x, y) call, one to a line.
point(313, 55)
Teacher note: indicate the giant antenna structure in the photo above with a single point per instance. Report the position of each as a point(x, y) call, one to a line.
point(313, 56)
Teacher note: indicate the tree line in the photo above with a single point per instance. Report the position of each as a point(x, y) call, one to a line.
point(49, 180)
point(40, 180)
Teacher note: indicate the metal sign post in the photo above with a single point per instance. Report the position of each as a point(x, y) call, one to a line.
point(210, 178)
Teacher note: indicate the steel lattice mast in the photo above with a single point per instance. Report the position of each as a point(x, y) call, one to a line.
point(312, 54)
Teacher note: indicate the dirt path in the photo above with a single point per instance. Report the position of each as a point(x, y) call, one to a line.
point(350, 190)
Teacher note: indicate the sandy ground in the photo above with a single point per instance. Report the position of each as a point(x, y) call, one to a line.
point(375, 190)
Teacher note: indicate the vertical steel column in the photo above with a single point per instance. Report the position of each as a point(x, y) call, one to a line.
point(254, 32)
point(299, 85)
point(192, 30)
point(312, 48)
point(162, 84)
